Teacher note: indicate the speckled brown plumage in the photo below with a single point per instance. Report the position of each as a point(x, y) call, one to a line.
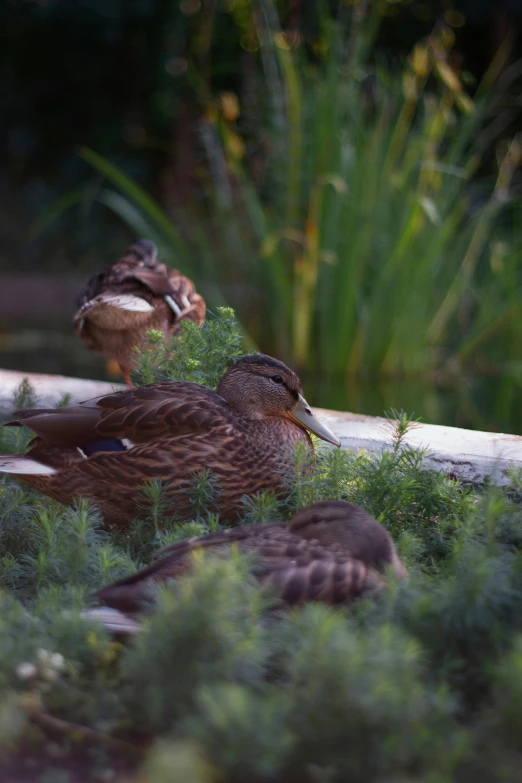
point(105, 449)
point(138, 279)
point(331, 552)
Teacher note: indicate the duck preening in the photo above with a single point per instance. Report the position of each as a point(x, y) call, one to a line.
point(137, 293)
point(332, 552)
point(245, 433)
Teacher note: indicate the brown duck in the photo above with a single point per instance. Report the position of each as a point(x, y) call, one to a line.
point(331, 552)
point(105, 449)
point(125, 300)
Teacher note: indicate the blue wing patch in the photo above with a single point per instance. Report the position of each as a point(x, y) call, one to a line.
point(112, 444)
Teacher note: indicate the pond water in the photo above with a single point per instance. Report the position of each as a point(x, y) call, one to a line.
point(479, 402)
point(485, 402)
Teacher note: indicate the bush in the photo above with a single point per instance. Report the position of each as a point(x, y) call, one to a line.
point(420, 684)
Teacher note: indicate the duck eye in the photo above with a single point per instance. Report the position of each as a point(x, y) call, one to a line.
point(277, 379)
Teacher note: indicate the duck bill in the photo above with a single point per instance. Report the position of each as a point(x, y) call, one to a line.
point(301, 414)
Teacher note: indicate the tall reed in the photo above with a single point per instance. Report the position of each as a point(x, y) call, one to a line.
point(360, 240)
point(368, 231)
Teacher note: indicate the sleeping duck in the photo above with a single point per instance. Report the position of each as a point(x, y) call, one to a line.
point(332, 552)
point(137, 293)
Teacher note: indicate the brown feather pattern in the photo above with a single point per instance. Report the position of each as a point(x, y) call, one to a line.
point(297, 565)
point(115, 332)
point(171, 431)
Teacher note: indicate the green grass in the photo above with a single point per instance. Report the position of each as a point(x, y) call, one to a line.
point(421, 684)
point(416, 683)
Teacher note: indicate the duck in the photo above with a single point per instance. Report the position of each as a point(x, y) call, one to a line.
point(137, 293)
point(331, 552)
point(245, 434)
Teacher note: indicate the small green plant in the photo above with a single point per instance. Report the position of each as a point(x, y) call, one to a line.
point(198, 354)
point(380, 691)
point(411, 685)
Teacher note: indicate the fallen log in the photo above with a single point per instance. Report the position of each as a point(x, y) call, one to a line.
point(469, 455)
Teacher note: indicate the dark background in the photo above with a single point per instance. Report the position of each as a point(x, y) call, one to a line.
point(131, 79)
point(112, 75)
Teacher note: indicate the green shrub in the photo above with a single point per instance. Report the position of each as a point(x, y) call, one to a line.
point(420, 684)
point(199, 354)
point(206, 630)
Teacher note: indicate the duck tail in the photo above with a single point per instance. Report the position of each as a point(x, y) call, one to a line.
point(24, 465)
point(112, 620)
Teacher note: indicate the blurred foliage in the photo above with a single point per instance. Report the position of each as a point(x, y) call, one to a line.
point(420, 684)
point(361, 237)
point(340, 174)
point(328, 155)
point(130, 79)
point(197, 355)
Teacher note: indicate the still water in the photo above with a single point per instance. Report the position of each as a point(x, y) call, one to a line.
point(485, 402)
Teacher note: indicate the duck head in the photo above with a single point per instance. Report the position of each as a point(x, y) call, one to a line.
point(337, 522)
point(258, 387)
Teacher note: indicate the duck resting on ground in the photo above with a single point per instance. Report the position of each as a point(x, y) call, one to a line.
point(332, 551)
point(125, 300)
point(245, 433)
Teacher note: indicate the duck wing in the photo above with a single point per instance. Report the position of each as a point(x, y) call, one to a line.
point(159, 280)
point(129, 593)
point(135, 415)
point(113, 300)
point(328, 580)
point(299, 570)
point(177, 290)
point(113, 276)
